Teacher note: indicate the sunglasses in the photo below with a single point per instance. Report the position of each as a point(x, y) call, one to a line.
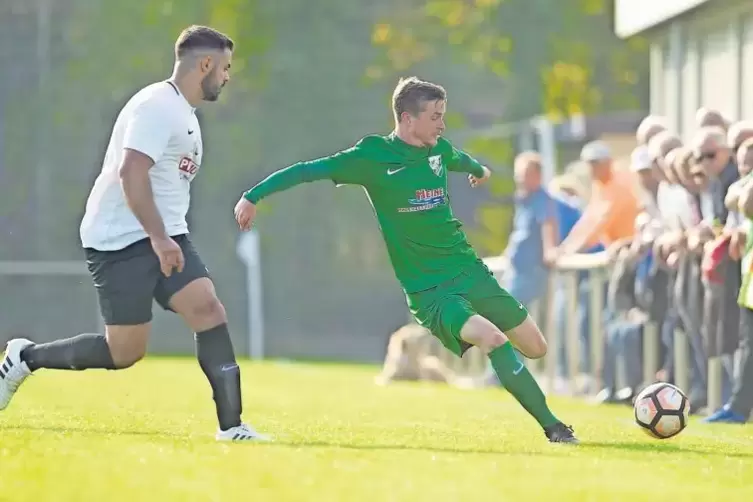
point(700, 157)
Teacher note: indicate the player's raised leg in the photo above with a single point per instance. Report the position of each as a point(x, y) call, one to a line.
point(514, 375)
point(503, 322)
point(125, 282)
point(192, 294)
point(120, 347)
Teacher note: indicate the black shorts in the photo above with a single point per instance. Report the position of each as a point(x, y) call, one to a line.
point(128, 280)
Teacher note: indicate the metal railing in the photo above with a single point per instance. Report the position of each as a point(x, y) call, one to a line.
point(597, 266)
point(40, 268)
point(565, 275)
point(474, 363)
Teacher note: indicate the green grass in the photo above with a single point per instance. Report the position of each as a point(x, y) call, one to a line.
point(148, 433)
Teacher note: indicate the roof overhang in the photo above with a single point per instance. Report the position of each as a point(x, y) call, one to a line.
point(635, 16)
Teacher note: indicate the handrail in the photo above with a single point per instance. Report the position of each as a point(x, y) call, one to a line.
point(596, 264)
point(33, 267)
point(583, 261)
point(578, 261)
point(566, 267)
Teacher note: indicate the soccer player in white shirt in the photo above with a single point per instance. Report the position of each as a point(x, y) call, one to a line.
point(135, 236)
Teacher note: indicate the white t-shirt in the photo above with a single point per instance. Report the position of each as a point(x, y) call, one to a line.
point(159, 122)
point(675, 207)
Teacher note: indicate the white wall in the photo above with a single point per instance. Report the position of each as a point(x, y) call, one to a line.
point(703, 61)
point(747, 67)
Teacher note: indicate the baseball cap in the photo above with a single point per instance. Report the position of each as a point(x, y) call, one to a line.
point(640, 159)
point(595, 151)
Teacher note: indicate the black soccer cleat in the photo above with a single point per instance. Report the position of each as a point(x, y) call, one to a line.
point(561, 433)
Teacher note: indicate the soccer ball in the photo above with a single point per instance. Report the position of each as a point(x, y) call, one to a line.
point(661, 410)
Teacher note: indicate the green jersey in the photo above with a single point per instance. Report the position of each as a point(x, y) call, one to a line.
point(407, 186)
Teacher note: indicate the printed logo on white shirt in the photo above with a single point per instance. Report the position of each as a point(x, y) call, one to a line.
point(158, 122)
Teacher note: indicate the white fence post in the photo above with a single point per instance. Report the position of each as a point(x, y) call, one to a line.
point(567, 270)
point(249, 251)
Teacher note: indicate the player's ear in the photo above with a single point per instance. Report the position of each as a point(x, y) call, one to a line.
point(206, 64)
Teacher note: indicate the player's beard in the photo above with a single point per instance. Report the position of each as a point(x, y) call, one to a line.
point(210, 89)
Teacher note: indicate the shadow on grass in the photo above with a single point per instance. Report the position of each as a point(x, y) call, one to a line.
point(95, 431)
point(662, 447)
point(459, 450)
point(277, 442)
point(558, 450)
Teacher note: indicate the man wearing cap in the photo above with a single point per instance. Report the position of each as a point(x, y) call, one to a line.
point(643, 167)
point(565, 191)
point(609, 217)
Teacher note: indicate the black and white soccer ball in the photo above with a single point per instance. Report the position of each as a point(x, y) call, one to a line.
point(661, 410)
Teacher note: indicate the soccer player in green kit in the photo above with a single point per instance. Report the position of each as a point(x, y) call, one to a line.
point(448, 288)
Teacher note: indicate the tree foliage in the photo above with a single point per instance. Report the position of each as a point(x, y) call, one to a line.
point(557, 58)
point(579, 65)
point(87, 59)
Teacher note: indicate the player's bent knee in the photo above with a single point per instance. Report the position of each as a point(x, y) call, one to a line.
point(538, 349)
point(482, 333)
point(127, 344)
point(199, 305)
point(126, 359)
point(529, 340)
point(209, 310)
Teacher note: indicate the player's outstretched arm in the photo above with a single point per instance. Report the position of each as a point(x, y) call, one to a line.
point(463, 163)
point(344, 167)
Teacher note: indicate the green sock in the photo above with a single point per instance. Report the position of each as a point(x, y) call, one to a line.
point(519, 382)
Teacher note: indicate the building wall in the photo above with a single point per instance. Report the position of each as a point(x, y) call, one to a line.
point(704, 58)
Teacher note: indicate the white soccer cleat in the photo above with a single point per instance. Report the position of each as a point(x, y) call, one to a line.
point(13, 371)
point(241, 432)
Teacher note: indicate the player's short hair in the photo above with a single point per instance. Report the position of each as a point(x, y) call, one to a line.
point(411, 93)
point(198, 37)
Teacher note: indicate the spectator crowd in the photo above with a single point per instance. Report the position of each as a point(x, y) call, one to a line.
point(676, 226)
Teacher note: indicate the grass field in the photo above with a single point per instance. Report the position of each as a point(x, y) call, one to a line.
point(147, 433)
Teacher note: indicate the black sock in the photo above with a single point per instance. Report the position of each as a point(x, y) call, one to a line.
point(216, 358)
point(87, 351)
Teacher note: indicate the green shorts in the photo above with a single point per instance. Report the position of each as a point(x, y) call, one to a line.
point(444, 309)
